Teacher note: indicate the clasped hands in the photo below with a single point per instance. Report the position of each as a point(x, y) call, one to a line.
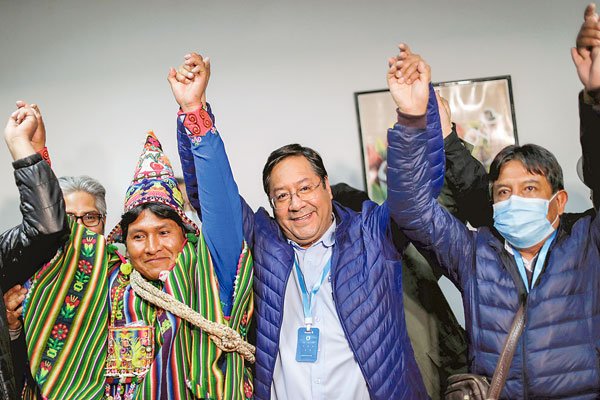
point(25, 133)
point(408, 78)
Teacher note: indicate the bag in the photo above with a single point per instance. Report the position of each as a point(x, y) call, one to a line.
point(477, 387)
point(467, 387)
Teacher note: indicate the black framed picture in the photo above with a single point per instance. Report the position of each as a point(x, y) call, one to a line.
point(482, 109)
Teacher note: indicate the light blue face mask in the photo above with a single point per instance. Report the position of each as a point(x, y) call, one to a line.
point(522, 221)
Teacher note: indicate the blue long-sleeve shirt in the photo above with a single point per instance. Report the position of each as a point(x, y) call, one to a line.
point(214, 194)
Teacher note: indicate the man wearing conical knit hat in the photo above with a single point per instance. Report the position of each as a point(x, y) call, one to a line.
point(169, 322)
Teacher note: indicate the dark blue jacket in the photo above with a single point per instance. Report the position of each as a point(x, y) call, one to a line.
point(558, 353)
point(367, 289)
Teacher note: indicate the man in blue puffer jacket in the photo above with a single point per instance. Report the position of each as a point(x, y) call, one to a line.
point(328, 285)
point(535, 255)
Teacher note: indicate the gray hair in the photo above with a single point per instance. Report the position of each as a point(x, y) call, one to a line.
point(83, 183)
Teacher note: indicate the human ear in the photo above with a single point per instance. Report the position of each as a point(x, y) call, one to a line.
point(327, 187)
point(561, 201)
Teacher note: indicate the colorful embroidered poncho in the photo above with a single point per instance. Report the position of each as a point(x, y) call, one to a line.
point(70, 307)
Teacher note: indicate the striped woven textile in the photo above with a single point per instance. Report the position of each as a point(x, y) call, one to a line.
point(65, 319)
point(67, 329)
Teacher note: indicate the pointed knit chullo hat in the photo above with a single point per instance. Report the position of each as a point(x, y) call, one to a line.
point(153, 182)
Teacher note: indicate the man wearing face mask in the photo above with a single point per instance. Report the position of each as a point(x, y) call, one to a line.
point(535, 256)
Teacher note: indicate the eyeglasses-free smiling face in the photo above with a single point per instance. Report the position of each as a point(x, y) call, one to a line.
point(153, 244)
point(301, 200)
point(82, 207)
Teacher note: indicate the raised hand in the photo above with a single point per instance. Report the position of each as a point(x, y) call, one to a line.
point(586, 54)
point(589, 34)
point(408, 64)
point(189, 88)
point(39, 137)
point(445, 115)
point(19, 131)
point(412, 98)
point(13, 299)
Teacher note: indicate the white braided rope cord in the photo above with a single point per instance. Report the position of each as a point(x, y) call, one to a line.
point(223, 336)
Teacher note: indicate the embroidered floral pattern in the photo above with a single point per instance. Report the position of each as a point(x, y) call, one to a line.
point(62, 324)
point(60, 331)
point(85, 266)
point(88, 249)
point(72, 301)
point(42, 374)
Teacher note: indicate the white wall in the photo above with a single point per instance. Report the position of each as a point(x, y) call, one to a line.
point(282, 71)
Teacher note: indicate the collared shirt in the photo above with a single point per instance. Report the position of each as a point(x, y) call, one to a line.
point(335, 374)
point(529, 265)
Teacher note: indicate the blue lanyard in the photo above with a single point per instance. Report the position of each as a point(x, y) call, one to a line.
point(539, 263)
point(308, 298)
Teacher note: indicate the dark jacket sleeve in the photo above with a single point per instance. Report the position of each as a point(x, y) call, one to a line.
point(349, 196)
point(589, 120)
point(435, 149)
point(44, 223)
point(468, 183)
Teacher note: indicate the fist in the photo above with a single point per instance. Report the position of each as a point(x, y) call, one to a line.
point(21, 125)
point(189, 82)
point(13, 299)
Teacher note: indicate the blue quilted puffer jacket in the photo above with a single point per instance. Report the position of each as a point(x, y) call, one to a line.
point(366, 280)
point(558, 353)
point(367, 290)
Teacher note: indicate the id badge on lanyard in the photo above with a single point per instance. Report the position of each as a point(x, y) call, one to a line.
point(307, 347)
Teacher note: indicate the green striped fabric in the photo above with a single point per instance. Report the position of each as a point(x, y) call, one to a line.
point(65, 319)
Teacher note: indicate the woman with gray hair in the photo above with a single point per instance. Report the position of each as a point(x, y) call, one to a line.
point(85, 202)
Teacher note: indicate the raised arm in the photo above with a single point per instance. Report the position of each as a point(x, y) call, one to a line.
point(413, 208)
point(218, 195)
point(466, 193)
point(42, 205)
point(400, 76)
point(586, 57)
point(589, 120)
